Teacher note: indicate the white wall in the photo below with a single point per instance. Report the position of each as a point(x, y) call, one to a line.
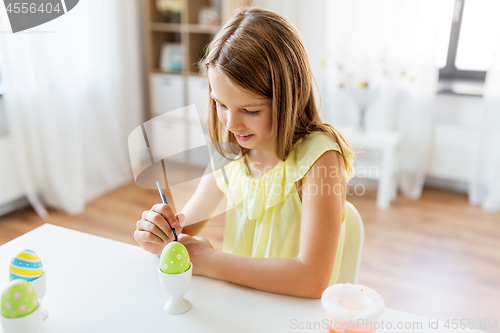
point(3, 119)
point(11, 194)
point(457, 121)
point(459, 110)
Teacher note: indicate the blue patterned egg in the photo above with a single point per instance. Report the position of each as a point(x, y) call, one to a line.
point(26, 266)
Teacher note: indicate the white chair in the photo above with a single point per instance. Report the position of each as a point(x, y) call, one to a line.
point(353, 246)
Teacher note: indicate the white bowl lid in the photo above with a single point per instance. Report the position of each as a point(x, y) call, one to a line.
point(350, 302)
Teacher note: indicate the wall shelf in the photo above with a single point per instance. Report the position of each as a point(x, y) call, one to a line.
point(167, 27)
point(183, 29)
point(172, 90)
point(187, 28)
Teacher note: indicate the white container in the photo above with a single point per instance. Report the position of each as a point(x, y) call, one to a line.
point(198, 95)
point(352, 308)
point(167, 92)
point(176, 285)
point(31, 323)
point(40, 286)
point(166, 134)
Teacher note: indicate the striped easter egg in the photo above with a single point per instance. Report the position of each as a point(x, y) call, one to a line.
point(25, 266)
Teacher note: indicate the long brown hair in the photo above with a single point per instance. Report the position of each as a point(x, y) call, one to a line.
point(263, 52)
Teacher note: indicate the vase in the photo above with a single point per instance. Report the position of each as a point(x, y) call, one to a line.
point(362, 119)
point(170, 9)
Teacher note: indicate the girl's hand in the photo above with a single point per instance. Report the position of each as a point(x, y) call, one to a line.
point(200, 250)
point(154, 230)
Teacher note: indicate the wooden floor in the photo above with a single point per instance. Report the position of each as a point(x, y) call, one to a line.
point(438, 257)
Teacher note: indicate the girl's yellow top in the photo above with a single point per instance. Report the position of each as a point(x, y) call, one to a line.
point(263, 214)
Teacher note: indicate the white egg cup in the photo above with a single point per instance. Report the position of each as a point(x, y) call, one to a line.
point(40, 286)
point(31, 323)
point(176, 285)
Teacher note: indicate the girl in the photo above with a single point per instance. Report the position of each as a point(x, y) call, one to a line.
point(285, 232)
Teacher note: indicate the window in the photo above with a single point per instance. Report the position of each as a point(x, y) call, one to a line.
point(473, 31)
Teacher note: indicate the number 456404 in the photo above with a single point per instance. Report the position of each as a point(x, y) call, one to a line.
point(25, 8)
point(471, 324)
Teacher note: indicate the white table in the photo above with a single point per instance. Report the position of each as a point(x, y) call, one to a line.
point(99, 285)
point(387, 143)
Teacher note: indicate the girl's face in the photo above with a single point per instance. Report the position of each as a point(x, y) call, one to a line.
point(244, 113)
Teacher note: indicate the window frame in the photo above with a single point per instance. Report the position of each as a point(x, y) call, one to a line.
point(450, 71)
point(450, 74)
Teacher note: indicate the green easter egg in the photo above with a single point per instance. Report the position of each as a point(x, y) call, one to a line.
point(174, 258)
point(18, 299)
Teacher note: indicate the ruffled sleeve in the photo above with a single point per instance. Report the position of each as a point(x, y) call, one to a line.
point(311, 148)
point(253, 196)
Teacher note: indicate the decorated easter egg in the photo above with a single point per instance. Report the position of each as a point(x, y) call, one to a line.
point(174, 258)
point(25, 266)
point(18, 299)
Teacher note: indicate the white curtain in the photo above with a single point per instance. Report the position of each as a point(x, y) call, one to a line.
point(72, 95)
point(310, 19)
point(484, 187)
point(365, 37)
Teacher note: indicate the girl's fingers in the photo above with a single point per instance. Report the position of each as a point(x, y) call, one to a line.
point(185, 236)
point(185, 239)
point(159, 221)
point(143, 237)
point(181, 221)
point(181, 218)
point(167, 213)
point(144, 225)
